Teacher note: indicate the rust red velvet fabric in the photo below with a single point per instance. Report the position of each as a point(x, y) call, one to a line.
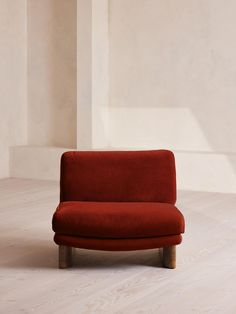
point(117, 244)
point(123, 176)
point(118, 200)
point(117, 219)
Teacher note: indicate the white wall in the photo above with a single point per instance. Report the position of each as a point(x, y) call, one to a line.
point(172, 78)
point(172, 85)
point(52, 72)
point(13, 79)
point(92, 74)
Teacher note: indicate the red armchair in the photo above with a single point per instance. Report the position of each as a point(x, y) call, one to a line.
point(118, 201)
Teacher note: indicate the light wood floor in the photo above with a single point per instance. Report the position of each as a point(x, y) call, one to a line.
point(105, 282)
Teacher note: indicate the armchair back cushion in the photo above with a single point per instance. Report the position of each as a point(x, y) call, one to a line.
point(118, 176)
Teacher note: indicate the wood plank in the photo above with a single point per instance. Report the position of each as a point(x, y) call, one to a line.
point(114, 282)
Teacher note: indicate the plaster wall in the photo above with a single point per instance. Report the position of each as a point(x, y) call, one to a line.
point(52, 72)
point(13, 79)
point(172, 81)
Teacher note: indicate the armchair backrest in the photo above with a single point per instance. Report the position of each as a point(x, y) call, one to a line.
point(118, 176)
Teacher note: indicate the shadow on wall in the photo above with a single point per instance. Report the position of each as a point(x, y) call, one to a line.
point(199, 167)
point(172, 85)
point(52, 72)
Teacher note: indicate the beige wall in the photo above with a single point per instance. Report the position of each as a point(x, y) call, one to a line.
point(172, 85)
point(178, 58)
point(92, 74)
point(171, 82)
point(52, 72)
point(13, 109)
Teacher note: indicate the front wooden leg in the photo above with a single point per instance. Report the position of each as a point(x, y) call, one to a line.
point(169, 256)
point(65, 256)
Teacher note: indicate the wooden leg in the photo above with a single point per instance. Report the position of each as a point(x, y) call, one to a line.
point(169, 256)
point(65, 256)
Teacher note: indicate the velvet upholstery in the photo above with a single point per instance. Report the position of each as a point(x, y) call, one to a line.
point(117, 219)
point(123, 176)
point(117, 244)
point(118, 200)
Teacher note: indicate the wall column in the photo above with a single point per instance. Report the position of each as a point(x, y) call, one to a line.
point(92, 74)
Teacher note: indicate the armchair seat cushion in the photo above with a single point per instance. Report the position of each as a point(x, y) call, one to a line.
point(117, 220)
